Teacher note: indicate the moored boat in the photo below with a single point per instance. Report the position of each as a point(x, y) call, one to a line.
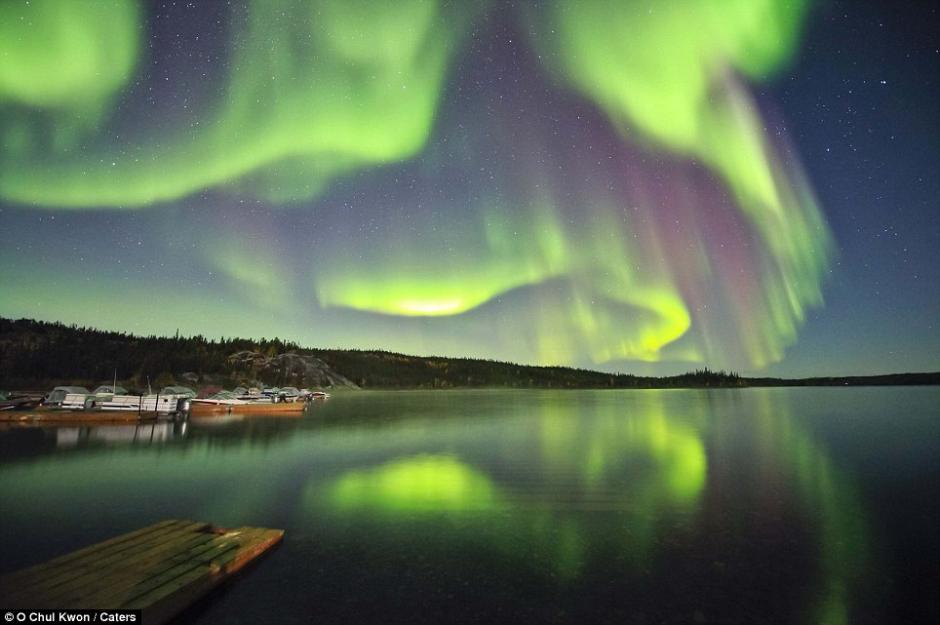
point(19, 401)
point(289, 394)
point(169, 400)
point(56, 396)
point(227, 402)
point(90, 401)
point(200, 407)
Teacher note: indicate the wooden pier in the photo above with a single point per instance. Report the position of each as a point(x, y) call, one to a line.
point(160, 570)
point(65, 417)
point(49, 416)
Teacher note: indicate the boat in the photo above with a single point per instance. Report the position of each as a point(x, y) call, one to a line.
point(289, 394)
point(90, 401)
point(88, 407)
point(18, 401)
point(170, 400)
point(227, 402)
point(56, 396)
point(308, 395)
point(201, 407)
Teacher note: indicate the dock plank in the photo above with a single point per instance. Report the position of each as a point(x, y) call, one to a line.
point(55, 574)
point(76, 417)
point(163, 602)
point(159, 569)
point(130, 583)
point(121, 565)
point(112, 544)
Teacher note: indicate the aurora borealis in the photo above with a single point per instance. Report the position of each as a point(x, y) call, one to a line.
point(603, 184)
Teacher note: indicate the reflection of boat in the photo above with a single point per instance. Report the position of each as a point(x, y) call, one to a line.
point(215, 419)
point(138, 434)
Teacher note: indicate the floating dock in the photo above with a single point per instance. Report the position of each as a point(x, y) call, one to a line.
point(60, 417)
point(160, 570)
point(50, 416)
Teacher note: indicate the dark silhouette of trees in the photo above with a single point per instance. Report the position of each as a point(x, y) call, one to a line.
point(37, 355)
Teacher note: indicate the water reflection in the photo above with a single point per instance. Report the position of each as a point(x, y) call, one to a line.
point(655, 505)
point(153, 433)
point(827, 495)
point(651, 460)
point(417, 484)
point(627, 477)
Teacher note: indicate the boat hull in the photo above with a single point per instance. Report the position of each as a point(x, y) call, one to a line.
point(200, 409)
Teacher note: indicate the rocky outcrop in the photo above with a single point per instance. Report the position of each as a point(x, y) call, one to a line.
point(290, 369)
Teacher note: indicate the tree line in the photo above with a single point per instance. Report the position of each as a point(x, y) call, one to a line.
point(37, 355)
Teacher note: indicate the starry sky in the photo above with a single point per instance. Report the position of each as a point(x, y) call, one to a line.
point(645, 187)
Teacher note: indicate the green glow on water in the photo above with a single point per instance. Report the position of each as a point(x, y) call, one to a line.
point(418, 484)
point(551, 485)
point(578, 469)
point(666, 457)
point(833, 499)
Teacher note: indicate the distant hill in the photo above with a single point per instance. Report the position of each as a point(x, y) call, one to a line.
point(37, 355)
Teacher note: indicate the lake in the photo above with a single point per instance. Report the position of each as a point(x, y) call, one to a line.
point(812, 505)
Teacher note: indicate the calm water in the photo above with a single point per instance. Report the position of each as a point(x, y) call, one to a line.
point(729, 506)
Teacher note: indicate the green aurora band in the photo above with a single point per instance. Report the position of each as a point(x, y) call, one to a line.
point(61, 66)
point(590, 260)
point(666, 75)
point(669, 73)
point(317, 90)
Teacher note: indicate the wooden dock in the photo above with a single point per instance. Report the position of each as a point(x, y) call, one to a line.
point(62, 417)
point(160, 570)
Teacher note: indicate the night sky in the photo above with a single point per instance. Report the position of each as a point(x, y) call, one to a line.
point(645, 187)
